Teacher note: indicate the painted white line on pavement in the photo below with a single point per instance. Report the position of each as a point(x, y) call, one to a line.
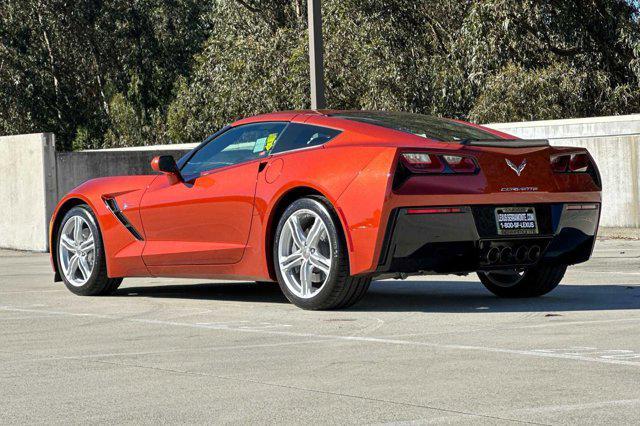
point(552, 323)
point(523, 411)
point(32, 291)
point(573, 407)
point(170, 351)
point(525, 352)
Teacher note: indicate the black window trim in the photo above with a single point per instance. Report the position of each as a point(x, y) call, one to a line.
point(304, 147)
point(182, 162)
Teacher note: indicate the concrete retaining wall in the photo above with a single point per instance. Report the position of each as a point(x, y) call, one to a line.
point(34, 177)
point(27, 190)
point(75, 168)
point(614, 143)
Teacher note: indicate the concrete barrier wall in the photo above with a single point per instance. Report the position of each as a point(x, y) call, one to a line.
point(27, 190)
point(614, 143)
point(34, 177)
point(75, 168)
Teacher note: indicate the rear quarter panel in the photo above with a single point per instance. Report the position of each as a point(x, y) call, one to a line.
point(331, 171)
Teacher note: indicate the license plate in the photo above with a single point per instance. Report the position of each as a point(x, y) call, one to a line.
point(516, 221)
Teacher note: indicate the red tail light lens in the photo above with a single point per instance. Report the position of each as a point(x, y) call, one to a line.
point(421, 162)
point(579, 163)
point(560, 163)
point(460, 164)
point(570, 163)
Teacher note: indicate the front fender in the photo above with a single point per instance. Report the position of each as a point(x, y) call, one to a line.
point(123, 252)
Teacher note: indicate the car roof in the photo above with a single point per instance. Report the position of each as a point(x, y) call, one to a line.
point(332, 118)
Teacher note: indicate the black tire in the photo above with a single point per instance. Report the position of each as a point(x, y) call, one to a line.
point(340, 290)
point(99, 283)
point(534, 282)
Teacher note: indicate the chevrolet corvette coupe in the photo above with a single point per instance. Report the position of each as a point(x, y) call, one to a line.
point(322, 202)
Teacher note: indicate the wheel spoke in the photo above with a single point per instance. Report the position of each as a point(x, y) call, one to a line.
point(315, 232)
point(73, 265)
point(87, 245)
point(305, 278)
point(77, 229)
point(296, 231)
point(85, 269)
point(320, 262)
point(66, 242)
point(290, 261)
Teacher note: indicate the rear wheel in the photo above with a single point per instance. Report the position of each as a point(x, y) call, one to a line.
point(310, 258)
point(80, 254)
point(533, 282)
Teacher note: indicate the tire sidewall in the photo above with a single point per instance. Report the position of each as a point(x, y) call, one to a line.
point(83, 211)
point(537, 281)
point(337, 250)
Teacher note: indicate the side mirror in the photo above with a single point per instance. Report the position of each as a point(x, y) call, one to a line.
point(165, 164)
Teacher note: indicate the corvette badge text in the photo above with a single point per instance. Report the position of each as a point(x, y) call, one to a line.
point(520, 189)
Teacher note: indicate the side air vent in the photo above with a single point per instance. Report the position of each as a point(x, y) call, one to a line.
point(112, 204)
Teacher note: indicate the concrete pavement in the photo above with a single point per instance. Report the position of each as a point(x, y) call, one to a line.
point(427, 350)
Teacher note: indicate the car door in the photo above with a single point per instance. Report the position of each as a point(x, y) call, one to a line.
point(206, 217)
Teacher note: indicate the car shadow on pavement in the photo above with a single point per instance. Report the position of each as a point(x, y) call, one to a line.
point(232, 291)
point(418, 296)
point(465, 296)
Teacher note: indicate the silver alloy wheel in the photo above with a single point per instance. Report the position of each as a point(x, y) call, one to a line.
point(304, 253)
point(76, 251)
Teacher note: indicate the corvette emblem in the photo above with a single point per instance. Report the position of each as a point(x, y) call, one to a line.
point(517, 169)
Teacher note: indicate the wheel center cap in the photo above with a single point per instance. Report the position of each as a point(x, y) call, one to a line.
point(306, 253)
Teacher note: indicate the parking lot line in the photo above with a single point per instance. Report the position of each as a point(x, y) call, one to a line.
point(378, 340)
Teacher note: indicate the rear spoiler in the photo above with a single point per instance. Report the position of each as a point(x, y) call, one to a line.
point(506, 143)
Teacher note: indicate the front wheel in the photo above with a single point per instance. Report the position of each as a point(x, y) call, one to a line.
point(310, 258)
point(533, 282)
point(80, 254)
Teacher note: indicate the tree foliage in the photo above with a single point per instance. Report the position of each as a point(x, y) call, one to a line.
point(129, 72)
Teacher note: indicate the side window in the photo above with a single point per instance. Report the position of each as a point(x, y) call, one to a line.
point(236, 145)
point(298, 136)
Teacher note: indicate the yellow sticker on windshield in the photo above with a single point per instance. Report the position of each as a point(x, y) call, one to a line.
point(270, 140)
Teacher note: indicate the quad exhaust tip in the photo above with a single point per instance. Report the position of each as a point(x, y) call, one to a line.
point(521, 254)
point(493, 255)
point(534, 253)
point(505, 254)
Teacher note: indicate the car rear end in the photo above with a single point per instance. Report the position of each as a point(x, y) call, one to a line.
point(490, 205)
point(461, 198)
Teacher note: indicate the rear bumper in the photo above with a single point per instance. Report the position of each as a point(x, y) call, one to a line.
point(468, 240)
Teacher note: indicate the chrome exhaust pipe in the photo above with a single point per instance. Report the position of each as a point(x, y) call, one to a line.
point(505, 254)
point(521, 254)
point(492, 256)
point(534, 253)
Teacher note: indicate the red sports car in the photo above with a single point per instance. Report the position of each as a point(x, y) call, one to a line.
point(324, 201)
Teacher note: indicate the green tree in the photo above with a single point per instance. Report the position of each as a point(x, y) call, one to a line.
point(130, 72)
point(64, 63)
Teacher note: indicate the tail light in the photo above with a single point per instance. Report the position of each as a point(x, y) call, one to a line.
point(461, 164)
point(576, 163)
point(571, 163)
point(421, 162)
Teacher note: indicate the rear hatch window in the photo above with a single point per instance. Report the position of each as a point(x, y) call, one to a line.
point(435, 128)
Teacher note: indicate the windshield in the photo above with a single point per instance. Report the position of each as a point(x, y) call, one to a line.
point(439, 129)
